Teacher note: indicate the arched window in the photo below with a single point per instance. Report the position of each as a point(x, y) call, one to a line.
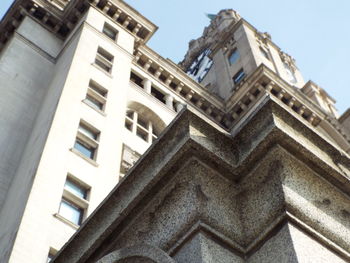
point(141, 126)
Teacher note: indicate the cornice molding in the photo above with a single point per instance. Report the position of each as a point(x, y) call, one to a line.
point(61, 21)
point(272, 134)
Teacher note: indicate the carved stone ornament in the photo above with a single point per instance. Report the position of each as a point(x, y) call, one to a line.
point(210, 35)
point(288, 60)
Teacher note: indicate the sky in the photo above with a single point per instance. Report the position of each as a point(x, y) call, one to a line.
point(315, 32)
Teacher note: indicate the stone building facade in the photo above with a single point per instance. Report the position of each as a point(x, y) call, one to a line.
point(83, 97)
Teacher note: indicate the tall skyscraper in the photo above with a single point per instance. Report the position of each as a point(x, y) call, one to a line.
point(83, 97)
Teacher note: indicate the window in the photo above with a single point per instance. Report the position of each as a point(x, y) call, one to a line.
point(110, 31)
point(136, 79)
point(75, 189)
point(96, 96)
point(140, 126)
point(74, 201)
point(51, 255)
point(71, 212)
point(104, 60)
point(264, 53)
point(238, 77)
point(86, 142)
point(234, 56)
point(157, 94)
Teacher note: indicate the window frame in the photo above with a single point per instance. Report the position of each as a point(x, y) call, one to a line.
point(72, 199)
point(76, 208)
point(51, 254)
point(234, 51)
point(90, 143)
point(84, 190)
point(96, 96)
point(135, 124)
point(112, 29)
point(239, 76)
point(104, 60)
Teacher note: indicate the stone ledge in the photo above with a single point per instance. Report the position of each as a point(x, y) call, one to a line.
point(271, 134)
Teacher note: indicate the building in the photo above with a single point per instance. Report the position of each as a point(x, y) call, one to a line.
point(83, 97)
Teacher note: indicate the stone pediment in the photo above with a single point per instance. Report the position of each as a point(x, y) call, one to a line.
point(198, 193)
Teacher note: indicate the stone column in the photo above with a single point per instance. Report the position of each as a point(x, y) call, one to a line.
point(150, 132)
point(134, 122)
point(179, 106)
point(147, 85)
point(169, 101)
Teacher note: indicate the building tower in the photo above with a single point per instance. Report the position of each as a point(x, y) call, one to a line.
point(83, 97)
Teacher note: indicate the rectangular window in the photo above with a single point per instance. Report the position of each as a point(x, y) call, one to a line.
point(75, 188)
point(104, 60)
point(71, 212)
point(136, 79)
point(86, 141)
point(234, 56)
point(96, 96)
point(142, 123)
point(158, 94)
point(74, 201)
point(128, 124)
point(238, 77)
point(51, 255)
point(110, 31)
point(84, 129)
point(84, 148)
point(93, 85)
point(93, 102)
point(140, 132)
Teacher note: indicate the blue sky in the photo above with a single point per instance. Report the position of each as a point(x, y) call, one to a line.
point(314, 32)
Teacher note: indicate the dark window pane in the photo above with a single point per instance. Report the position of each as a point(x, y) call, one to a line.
point(103, 53)
point(87, 131)
point(238, 77)
point(142, 134)
point(85, 149)
point(142, 123)
point(130, 114)
point(110, 31)
point(75, 189)
point(97, 88)
point(71, 212)
point(103, 65)
point(136, 79)
point(93, 102)
point(157, 94)
point(49, 258)
point(234, 56)
point(128, 125)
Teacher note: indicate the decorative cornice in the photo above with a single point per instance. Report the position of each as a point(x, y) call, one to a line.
point(272, 131)
point(171, 76)
point(61, 20)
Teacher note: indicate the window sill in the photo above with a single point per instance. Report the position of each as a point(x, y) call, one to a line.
point(66, 221)
point(102, 70)
point(83, 203)
point(98, 110)
point(92, 162)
